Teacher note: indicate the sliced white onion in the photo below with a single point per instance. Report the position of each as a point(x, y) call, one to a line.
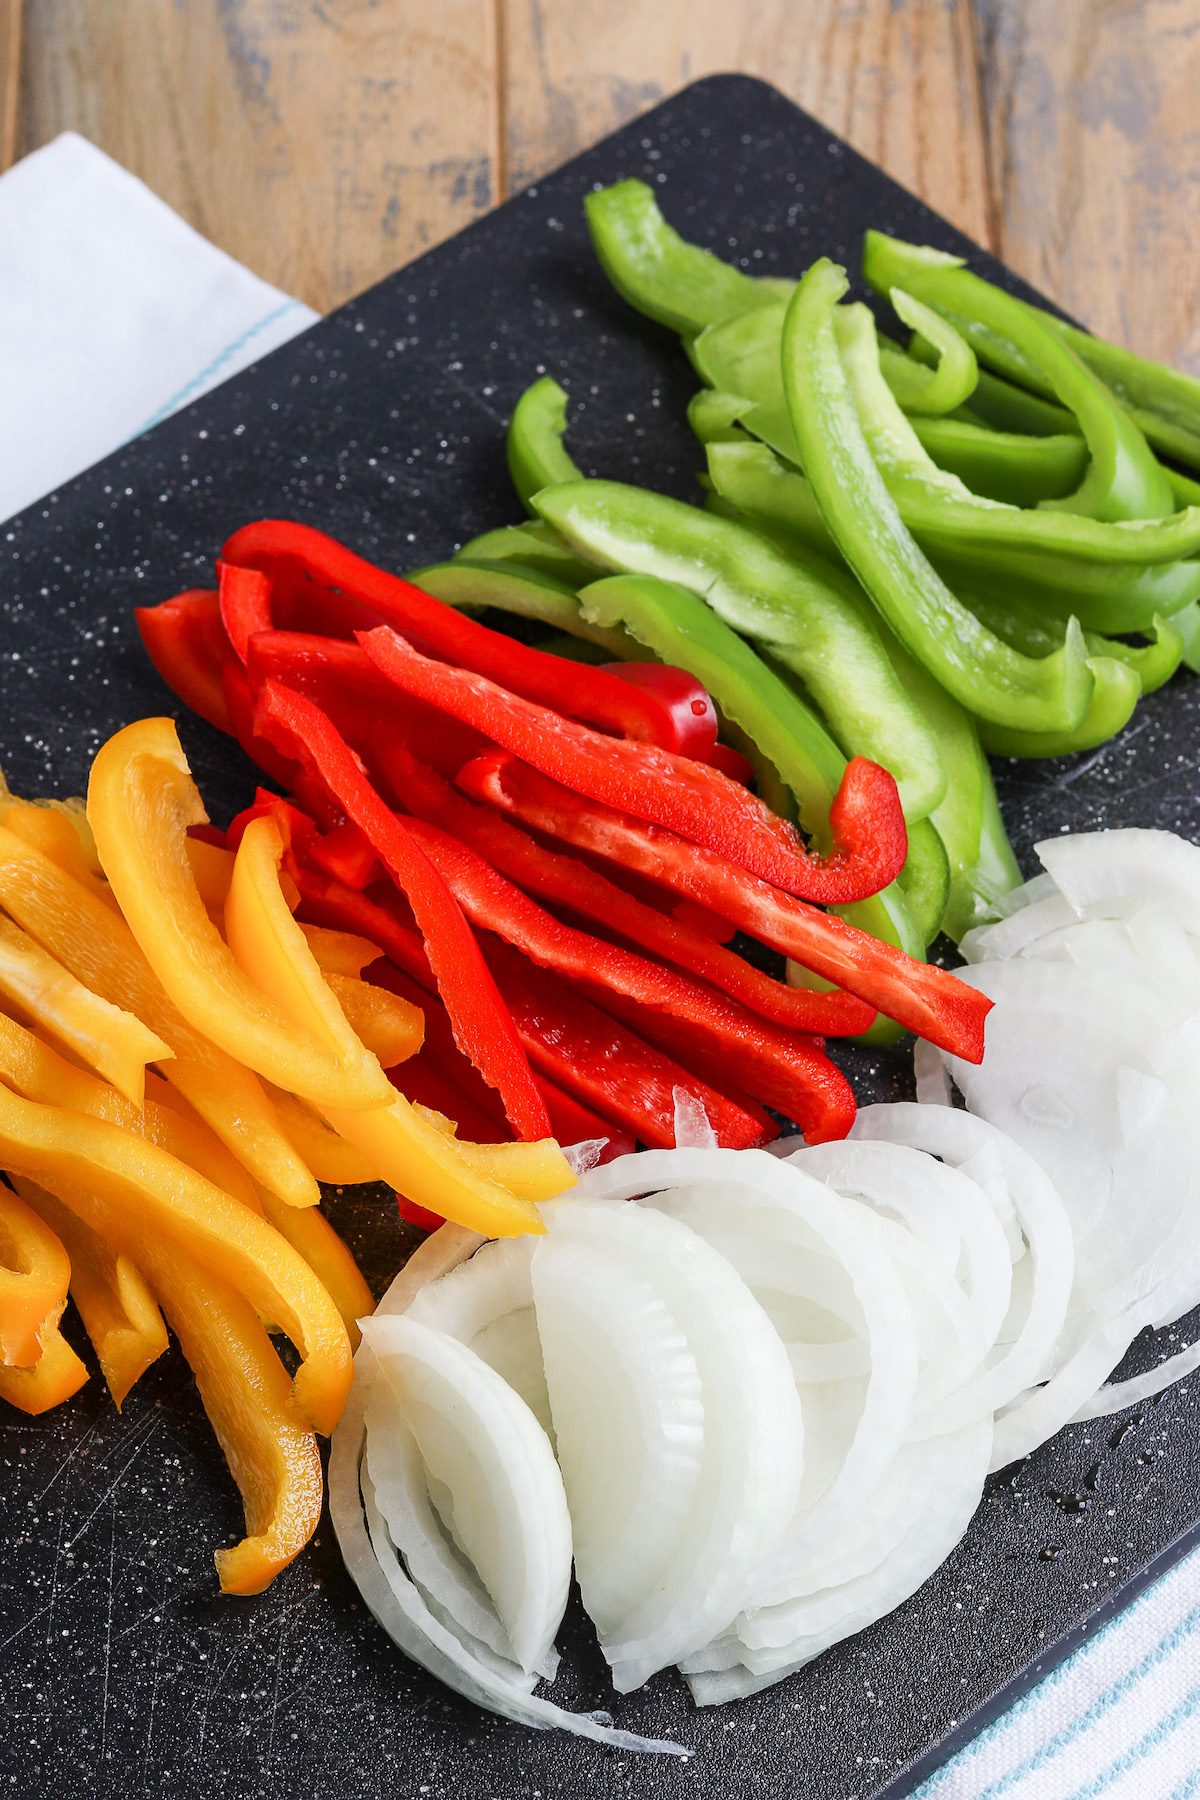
point(487, 1304)
point(1115, 1396)
point(490, 1472)
point(1100, 866)
point(751, 1456)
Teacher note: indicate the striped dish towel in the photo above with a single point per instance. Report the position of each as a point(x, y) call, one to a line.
point(1119, 1720)
point(113, 313)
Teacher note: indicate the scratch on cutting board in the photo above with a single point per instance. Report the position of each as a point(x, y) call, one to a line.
point(139, 1446)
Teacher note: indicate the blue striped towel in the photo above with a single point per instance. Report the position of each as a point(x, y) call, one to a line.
point(113, 312)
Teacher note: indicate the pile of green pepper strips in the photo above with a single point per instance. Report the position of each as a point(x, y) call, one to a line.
point(904, 555)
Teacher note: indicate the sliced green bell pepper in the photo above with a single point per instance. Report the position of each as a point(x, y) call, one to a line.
point(536, 457)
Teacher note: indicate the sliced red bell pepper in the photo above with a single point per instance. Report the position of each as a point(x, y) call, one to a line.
point(245, 604)
point(580, 1048)
point(683, 796)
point(564, 881)
point(786, 1069)
point(412, 1214)
point(186, 642)
point(482, 1026)
point(928, 1000)
point(573, 1123)
point(693, 714)
point(346, 854)
point(239, 702)
point(573, 688)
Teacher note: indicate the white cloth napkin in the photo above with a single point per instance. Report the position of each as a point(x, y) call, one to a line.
point(113, 313)
point(1119, 1719)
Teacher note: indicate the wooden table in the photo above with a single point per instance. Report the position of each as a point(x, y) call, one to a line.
point(325, 142)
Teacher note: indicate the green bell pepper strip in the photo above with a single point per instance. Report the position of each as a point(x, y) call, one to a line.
point(1018, 469)
point(1187, 624)
point(1003, 405)
point(810, 609)
point(954, 374)
point(523, 592)
point(997, 871)
point(1107, 597)
point(1164, 402)
point(713, 416)
point(1123, 481)
point(530, 547)
point(979, 669)
point(660, 273)
point(741, 356)
point(751, 477)
point(536, 458)
point(681, 629)
point(1116, 693)
point(1037, 633)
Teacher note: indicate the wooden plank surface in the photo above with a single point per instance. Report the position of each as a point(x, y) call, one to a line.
point(11, 29)
point(324, 144)
point(1094, 130)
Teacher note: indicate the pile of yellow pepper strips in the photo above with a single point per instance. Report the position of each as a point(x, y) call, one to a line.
point(189, 1189)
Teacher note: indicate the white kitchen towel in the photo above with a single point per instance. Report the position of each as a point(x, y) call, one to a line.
point(113, 313)
point(1120, 1719)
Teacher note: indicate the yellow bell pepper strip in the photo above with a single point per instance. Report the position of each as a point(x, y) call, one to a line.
point(110, 1293)
point(55, 836)
point(391, 1028)
point(522, 1168)
point(167, 1120)
point(340, 952)
point(134, 1194)
point(248, 1398)
point(212, 871)
point(34, 1272)
point(328, 1256)
point(55, 1376)
point(39, 991)
point(271, 948)
point(141, 799)
point(331, 1159)
point(99, 949)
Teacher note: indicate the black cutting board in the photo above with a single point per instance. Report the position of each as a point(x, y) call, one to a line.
point(122, 1670)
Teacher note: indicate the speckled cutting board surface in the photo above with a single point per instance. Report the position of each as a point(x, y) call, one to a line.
point(122, 1670)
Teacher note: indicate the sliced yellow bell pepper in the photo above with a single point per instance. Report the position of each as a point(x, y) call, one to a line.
point(117, 1308)
point(55, 1376)
point(524, 1169)
point(138, 1196)
point(212, 871)
point(328, 1256)
point(248, 1398)
point(41, 992)
point(34, 1273)
point(329, 1156)
point(141, 799)
point(340, 952)
point(392, 1028)
point(399, 1142)
point(89, 939)
point(53, 833)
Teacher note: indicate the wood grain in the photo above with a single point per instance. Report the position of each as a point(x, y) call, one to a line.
point(1091, 107)
point(897, 78)
point(321, 144)
point(11, 32)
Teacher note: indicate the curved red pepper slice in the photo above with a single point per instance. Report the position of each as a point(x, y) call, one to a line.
point(580, 691)
point(692, 713)
point(566, 882)
point(482, 1025)
point(671, 791)
point(245, 604)
point(186, 642)
point(928, 1000)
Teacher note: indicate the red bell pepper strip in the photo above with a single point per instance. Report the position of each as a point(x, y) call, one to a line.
point(693, 714)
point(186, 642)
point(245, 604)
point(412, 1214)
point(566, 882)
point(573, 1123)
point(346, 854)
point(572, 688)
point(605, 1064)
point(579, 1047)
point(928, 1000)
point(731, 762)
point(786, 1069)
point(671, 791)
point(482, 1026)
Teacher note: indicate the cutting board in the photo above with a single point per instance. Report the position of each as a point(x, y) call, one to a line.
point(122, 1670)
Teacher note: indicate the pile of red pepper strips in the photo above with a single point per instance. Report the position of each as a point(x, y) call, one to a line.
point(380, 709)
